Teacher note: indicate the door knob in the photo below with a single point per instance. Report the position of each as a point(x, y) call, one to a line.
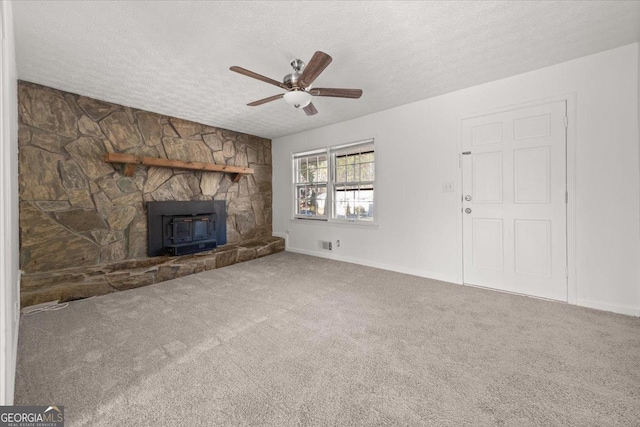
point(467, 198)
point(468, 210)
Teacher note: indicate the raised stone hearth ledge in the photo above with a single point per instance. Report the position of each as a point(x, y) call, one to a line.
point(84, 282)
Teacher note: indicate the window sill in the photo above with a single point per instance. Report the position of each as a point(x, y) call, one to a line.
point(339, 223)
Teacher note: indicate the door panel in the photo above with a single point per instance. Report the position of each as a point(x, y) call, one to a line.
point(514, 184)
point(533, 247)
point(532, 171)
point(532, 127)
point(487, 182)
point(488, 243)
point(486, 134)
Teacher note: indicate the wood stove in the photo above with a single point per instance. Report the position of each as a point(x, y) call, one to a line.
point(178, 228)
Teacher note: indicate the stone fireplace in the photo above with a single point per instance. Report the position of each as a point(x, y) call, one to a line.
point(83, 222)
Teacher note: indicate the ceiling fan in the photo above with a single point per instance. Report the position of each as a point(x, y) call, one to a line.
point(298, 84)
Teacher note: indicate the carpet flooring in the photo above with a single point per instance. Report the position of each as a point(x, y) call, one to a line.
point(296, 340)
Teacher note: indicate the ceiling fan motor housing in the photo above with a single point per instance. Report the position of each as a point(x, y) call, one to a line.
point(291, 80)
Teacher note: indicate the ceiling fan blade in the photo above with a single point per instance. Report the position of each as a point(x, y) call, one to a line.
point(257, 76)
point(265, 100)
point(318, 63)
point(310, 109)
point(337, 93)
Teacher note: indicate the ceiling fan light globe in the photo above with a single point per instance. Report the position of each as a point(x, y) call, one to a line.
point(297, 98)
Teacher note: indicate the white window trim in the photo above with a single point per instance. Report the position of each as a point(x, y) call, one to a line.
point(327, 219)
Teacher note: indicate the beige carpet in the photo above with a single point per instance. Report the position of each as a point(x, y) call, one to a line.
point(297, 340)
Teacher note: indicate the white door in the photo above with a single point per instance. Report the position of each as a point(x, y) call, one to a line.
point(514, 201)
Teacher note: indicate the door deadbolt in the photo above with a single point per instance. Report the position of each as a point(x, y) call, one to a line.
point(468, 210)
point(467, 198)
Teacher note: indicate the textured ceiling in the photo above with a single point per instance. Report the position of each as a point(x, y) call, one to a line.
point(174, 57)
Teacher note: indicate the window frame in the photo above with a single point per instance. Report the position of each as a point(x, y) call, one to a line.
point(331, 152)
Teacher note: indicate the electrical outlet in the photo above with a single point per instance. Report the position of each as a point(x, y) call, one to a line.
point(326, 245)
point(448, 187)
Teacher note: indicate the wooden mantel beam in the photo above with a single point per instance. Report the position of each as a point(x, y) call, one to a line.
point(131, 161)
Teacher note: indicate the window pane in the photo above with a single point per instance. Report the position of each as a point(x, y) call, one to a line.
point(311, 200)
point(353, 202)
point(321, 175)
point(341, 173)
point(299, 176)
point(351, 173)
point(311, 169)
point(367, 172)
point(354, 168)
point(367, 157)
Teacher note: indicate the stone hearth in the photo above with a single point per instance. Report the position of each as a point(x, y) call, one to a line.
point(77, 283)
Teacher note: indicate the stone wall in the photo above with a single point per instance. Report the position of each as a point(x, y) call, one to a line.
point(78, 211)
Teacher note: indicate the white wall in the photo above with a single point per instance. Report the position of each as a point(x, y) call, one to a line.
point(9, 273)
point(419, 225)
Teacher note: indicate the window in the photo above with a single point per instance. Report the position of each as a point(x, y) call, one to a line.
point(311, 185)
point(336, 183)
point(352, 183)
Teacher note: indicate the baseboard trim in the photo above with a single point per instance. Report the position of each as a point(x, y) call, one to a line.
point(397, 269)
point(630, 311)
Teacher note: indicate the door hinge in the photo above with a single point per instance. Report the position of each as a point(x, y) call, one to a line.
point(566, 121)
point(566, 271)
point(566, 197)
